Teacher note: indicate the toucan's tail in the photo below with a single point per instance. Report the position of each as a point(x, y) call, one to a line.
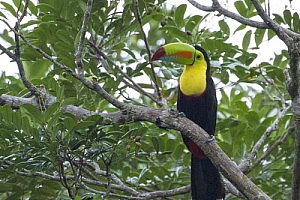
point(206, 182)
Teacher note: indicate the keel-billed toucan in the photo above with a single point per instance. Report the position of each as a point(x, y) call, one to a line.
point(197, 100)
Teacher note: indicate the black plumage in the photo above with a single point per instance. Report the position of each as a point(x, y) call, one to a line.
point(206, 182)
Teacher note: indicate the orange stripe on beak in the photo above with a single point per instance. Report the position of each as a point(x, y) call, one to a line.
point(185, 54)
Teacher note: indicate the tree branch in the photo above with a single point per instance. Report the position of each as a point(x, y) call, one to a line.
point(79, 51)
point(23, 77)
point(270, 149)
point(172, 120)
point(78, 112)
point(216, 6)
point(249, 158)
point(132, 84)
point(139, 19)
point(282, 33)
point(7, 52)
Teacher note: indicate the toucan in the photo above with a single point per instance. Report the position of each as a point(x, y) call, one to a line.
point(197, 100)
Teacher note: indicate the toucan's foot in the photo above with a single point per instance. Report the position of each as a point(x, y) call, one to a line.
point(211, 139)
point(181, 114)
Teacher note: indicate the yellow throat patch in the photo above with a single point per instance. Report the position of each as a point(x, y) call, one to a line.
point(193, 79)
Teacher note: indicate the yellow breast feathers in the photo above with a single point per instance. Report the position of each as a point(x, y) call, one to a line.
point(193, 79)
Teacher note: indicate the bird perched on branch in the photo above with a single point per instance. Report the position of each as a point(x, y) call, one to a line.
point(197, 100)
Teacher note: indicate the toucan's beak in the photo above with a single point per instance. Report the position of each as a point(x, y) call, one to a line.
point(177, 52)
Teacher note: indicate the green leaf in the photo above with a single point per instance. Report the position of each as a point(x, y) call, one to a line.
point(33, 9)
point(271, 34)
point(287, 17)
point(296, 22)
point(224, 27)
point(69, 123)
point(278, 19)
point(175, 32)
point(36, 69)
point(33, 112)
point(241, 8)
point(241, 27)
point(155, 143)
point(83, 125)
point(51, 110)
point(259, 35)
point(178, 151)
point(2, 15)
point(246, 40)
point(192, 23)
point(9, 8)
point(179, 14)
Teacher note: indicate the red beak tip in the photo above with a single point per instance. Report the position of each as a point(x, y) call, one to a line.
point(158, 54)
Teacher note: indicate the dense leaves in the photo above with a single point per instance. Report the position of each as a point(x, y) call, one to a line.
point(39, 139)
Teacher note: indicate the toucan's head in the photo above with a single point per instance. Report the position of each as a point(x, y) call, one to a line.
point(182, 53)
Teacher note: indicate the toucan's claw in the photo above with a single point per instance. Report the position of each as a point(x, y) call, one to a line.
point(211, 139)
point(181, 114)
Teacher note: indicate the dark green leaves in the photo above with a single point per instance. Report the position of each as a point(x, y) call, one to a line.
point(179, 14)
point(241, 8)
point(259, 35)
point(246, 40)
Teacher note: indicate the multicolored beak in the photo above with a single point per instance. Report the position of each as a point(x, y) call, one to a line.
point(177, 52)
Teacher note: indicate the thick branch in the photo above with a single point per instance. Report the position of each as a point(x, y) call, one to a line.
point(216, 6)
point(172, 120)
point(282, 33)
point(79, 51)
point(80, 113)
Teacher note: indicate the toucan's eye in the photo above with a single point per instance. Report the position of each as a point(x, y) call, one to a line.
point(198, 56)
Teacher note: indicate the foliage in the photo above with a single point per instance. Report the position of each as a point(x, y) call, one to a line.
point(141, 154)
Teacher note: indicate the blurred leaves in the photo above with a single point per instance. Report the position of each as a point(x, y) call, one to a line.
point(141, 154)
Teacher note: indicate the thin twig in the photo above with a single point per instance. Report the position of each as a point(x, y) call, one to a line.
point(132, 84)
point(24, 13)
point(139, 19)
point(169, 119)
point(79, 51)
point(270, 149)
point(7, 52)
point(246, 162)
point(271, 82)
point(64, 181)
point(22, 73)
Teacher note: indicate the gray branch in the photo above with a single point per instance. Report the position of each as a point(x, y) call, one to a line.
point(154, 77)
point(249, 158)
point(172, 120)
point(216, 6)
point(79, 51)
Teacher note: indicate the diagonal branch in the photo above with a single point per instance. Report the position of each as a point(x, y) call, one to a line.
point(283, 33)
point(17, 59)
point(248, 159)
point(278, 142)
point(7, 52)
point(79, 51)
point(24, 13)
point(139, 19)
point(131, 83)
point(171, 119)
point(216, 6)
